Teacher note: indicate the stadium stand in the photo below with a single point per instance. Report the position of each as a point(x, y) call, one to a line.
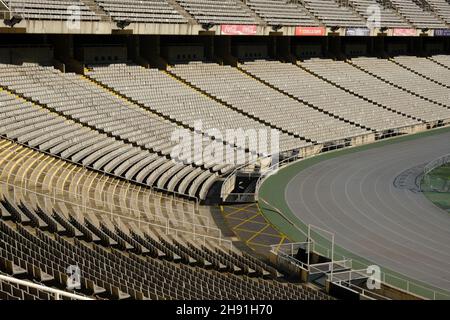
point(282, 12)
point(252, 97)
point(442, 60)
point(358, 81)
point(397, 75)
point(172, 98)
point(44, 237)
point(333, 14)
point(218, 11)
point(147, 11)
point(295, 81)
point(420, 17)
point(52, 9)
point(389, 17)
point(425, 68)
point(134, 127)
point(441, 8)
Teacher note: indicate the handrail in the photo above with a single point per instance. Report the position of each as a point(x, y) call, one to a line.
point(436, 164)
point(58, 293)
point(167, 227)
point(158, 196)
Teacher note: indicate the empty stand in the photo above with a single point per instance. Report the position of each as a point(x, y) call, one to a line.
point(388, 17)
point(52, 10)
point(399, 76)
point(295, 81)
point(282, 12)
point(262, 102)
point(363, 84)
point(174, 99)
point(127, 130)
point(145, 11)
point(441, 8)
point(420, 17)
point(332, 13)
point(426, 68)
point(218, 11)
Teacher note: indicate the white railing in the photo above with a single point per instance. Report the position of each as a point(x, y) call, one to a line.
point(57, 293)
point(105, 196)
point(166, 226)
point(436, 164)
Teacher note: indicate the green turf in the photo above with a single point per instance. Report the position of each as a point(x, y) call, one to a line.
point(272, 192)
point(436, 187)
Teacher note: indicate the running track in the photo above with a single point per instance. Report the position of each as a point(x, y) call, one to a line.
point(354, 196)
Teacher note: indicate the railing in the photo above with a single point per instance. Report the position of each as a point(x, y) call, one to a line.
point(57, 293)
point(392, 280)
point(106, 194)
point(436, 164)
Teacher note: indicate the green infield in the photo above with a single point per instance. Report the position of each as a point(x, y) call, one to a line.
point(436, 187)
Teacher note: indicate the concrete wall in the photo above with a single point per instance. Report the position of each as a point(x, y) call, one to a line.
point(18, 55)
point(92, 55)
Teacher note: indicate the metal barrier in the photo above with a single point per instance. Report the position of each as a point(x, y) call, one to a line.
point(57, 293)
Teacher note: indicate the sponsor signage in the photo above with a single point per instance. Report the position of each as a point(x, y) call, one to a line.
point(401, 32)
point(310, 31)
point(357, 32)
point(237, 29)
point(442, 32)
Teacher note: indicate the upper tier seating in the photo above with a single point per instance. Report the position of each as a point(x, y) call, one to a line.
point(301, 84)
point(331, 13)
point(254, 98)
point(417, 15)
point(281, 12)
point(148, 11)
point(441, 8)
point(218, 11)
point(171, 97)
point(389, 18)
point(385, 94)
point(52, 9)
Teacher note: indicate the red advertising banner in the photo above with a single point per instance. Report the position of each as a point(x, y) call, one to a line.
point(237, 29)
point(404, 32)
point(310, 31)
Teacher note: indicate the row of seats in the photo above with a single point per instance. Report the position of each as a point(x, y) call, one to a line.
point(134, 263)
point(53, 10)
point(357, 81)
point(293, 80)
point(154, 11)
point(282, 12)
point(354, 13)
point(174, 99)
point(397, 75)
point(131, 141)
point(77, 189)
point(264, 103)
point(379, 15)
point(416, 15)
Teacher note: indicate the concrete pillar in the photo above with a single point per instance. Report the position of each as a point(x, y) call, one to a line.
point(150, 50)
point(284, 50)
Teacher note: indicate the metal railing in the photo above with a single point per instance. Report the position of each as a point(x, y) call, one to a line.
point(439, 162)
point(57, 293)
point(400, 283)
point(105, 197)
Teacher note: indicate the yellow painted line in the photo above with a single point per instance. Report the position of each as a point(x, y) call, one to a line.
point(239, 210)
point(257, 234)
